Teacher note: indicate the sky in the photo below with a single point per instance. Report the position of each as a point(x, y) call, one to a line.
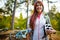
point(23, 8)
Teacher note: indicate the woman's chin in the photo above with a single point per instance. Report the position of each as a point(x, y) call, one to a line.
point(38, 11)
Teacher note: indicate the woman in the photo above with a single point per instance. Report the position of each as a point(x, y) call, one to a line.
point(37, 22)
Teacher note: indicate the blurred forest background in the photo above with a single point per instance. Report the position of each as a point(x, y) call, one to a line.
point(9, 21)
point(6, 16)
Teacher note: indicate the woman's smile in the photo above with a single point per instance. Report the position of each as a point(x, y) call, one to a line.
point(39, 7)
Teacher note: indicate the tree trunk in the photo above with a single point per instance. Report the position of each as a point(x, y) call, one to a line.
point(12, 23)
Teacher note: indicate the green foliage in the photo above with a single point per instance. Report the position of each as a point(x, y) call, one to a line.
point(21, 23)
point(55, 18)
point(58, 19)
point(5, 21)
point(7, 9)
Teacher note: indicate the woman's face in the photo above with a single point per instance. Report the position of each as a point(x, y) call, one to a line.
point(39, 7)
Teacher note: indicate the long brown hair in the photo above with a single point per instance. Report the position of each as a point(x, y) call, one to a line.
point(34, 16)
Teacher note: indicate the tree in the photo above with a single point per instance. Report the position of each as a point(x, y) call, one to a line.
point(54, 17)
point(22, 22)
point(5, 21)
point(9, 7)
point(58, 19)
point(12, 23)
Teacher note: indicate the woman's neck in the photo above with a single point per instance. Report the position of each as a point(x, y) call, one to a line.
point(39, 15)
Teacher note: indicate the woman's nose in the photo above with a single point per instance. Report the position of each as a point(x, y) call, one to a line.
point(39, 7)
